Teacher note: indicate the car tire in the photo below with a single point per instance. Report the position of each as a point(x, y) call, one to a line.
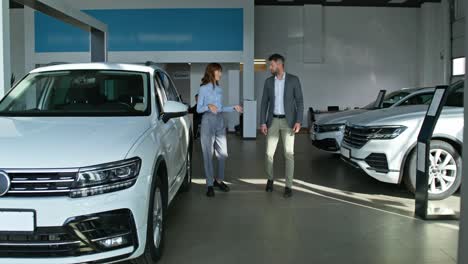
point(445, 150)
point(156, 221)
point(188, 174)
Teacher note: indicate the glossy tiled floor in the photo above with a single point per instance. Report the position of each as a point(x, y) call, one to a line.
point(337, 215)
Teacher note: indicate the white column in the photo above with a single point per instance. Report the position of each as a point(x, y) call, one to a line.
point(5, 66)
point(233, 97)
point(17, 42)
point(196, 73)
point(29, 40)
point(463, 234)
point(250, 112)
point(98, 45)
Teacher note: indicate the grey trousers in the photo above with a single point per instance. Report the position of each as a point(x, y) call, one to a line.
point(280, 129)
point(213, 141)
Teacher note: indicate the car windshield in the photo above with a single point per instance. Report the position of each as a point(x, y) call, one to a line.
point(389, 100)
point(79, 93)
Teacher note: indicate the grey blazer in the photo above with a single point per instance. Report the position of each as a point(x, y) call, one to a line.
point(293, 101)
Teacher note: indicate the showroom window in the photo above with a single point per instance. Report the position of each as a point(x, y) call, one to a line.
point(458, 66)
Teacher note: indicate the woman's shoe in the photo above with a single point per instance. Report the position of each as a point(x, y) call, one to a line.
point(210, 192)
point(222, 186)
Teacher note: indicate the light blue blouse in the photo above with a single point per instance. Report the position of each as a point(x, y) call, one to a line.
point(207, 95)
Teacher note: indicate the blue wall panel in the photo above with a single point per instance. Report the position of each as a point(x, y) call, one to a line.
point(149, 30)
point(52, 35)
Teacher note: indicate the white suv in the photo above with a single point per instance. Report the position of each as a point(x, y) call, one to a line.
point(382, 143)
point(91, 157)
point(327, 133)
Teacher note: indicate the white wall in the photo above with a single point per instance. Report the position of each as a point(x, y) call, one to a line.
point(432, 45)
point(365, 49)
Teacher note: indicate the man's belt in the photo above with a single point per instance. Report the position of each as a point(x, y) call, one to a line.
point(279, 116)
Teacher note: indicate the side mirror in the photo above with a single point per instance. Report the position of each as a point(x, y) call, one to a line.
point(173, 109)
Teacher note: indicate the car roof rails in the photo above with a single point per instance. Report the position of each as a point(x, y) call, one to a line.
point(153, 65)
point(54, 63)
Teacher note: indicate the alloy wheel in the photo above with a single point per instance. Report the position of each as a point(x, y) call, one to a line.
point(442, 171)
point(157, 218)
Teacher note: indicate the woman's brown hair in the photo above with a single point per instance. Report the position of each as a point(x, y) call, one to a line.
point(209, 76)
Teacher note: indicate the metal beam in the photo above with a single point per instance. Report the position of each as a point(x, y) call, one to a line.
point(68, 14)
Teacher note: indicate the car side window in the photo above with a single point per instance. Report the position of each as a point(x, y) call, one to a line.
point(159, 93)
point(455, 99)
point(393, 98)
point(168, 86)
point(419, 99)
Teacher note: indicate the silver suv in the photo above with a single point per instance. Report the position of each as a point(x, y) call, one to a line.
point(382, 144)
point(327, 133)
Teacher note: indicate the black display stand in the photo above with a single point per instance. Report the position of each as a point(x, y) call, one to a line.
point(422, 208)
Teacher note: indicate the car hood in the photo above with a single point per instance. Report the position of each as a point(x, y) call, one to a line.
point(66, 142)
point(398, 115)
point(340, 117)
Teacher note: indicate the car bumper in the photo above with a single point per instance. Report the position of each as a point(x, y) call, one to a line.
point(380, 159)
point(63, 224)
point(329, 141)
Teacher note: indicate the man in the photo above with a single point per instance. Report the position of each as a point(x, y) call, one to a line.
point(281, 114)
point(196, 118)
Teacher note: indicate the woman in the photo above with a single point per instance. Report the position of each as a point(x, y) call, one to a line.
point(213, 130)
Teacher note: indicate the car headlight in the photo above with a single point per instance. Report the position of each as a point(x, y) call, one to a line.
point(389, 132)
point(331, 128)
point(106, 178)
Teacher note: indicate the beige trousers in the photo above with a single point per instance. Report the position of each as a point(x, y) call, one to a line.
point(280, 128)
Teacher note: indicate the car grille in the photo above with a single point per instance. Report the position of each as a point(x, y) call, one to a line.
point(40, 182)
point(44, 242)
point(378, 162)
point(326, 144)
point(356, 136)
point(78, 236)
point(316, 128)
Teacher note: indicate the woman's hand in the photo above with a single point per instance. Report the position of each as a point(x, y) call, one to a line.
point(239, 108)
point(213, 108)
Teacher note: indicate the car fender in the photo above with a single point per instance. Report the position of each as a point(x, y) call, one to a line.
point(457, 144)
